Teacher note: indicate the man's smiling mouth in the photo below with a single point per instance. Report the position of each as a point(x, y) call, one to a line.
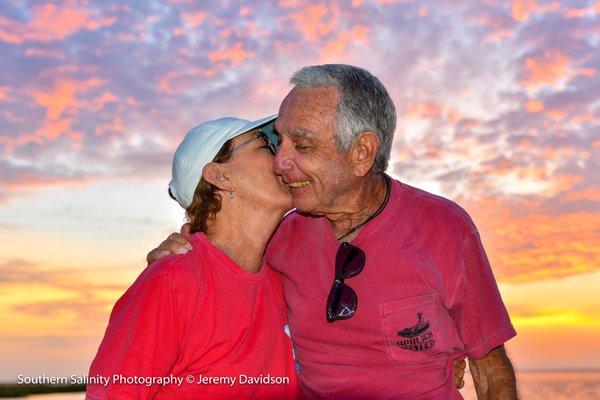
point(298, 184)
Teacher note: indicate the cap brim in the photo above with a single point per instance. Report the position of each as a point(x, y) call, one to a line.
point(255, 124)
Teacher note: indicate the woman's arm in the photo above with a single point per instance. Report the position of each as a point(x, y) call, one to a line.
point(141, 340)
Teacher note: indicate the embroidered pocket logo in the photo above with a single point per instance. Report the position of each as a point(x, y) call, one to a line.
point(417, 337)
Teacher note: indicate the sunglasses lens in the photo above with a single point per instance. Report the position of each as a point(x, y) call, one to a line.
point(269, 143)
point(350, 261)
point(271, 135)
point(341, 303)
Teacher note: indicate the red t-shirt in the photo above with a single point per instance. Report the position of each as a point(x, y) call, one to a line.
point(426, 297)
point(198, 315)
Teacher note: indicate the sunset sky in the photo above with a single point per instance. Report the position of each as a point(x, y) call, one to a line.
point(498, 109)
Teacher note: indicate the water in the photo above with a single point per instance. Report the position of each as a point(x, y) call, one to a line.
point(559, 385)
point(563, 385)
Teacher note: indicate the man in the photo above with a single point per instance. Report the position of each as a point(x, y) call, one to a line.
point(386, 284)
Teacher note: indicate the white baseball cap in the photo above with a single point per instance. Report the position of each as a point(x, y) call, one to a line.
point(199, 147)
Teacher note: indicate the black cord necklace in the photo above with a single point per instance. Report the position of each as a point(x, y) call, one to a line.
point(376, 213)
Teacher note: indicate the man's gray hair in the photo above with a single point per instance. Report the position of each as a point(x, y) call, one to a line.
point(364, 105)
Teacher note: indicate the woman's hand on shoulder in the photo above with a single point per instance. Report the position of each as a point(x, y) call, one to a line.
point(176, 243)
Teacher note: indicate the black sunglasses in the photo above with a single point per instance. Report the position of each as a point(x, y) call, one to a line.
point(342, 300)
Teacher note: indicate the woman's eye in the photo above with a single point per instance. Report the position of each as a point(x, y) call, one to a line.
point(302, 148)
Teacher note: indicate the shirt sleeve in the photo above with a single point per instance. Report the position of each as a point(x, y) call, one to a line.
point(479, 314)
point(140, 341)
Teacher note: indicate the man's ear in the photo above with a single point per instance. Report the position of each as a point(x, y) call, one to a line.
point(363, 152)
point(214, 174)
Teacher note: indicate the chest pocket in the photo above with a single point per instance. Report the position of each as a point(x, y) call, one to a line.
point(411, 328)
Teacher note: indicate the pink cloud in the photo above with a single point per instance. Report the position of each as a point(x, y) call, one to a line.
point(583, 12)
point(388, 2)
point(115, 126)
point(20, 140)
point(583, 118)
point(556, 114)
point(178, 31)
point(234, 55)
point(60, 102)
point(534, 106)
point(179, 80)
point(422, 109)
point(63, 95)
point(44, 53)
point(521, 9)
point(51, 22)
point(194, 18)
point(550, 69)
point(54, 128)
point(315, 21)
point(245, 11)
point(105, 98)
point(496, 29)
point(338, 46)
point(290, 3)
point(59, 99)
point(589, 72)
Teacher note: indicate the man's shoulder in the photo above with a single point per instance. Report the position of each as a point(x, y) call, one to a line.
point(294, 220)
point(431, 208)
point(294, 226)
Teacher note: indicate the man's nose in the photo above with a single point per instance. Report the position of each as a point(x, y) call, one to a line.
point(282, 161)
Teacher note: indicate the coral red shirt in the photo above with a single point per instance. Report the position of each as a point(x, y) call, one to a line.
point(426, 297)
point(197, 315)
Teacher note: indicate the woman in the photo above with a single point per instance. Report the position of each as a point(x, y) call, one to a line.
point(208, 323)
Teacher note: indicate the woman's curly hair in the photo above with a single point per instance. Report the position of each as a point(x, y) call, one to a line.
point(206, 202)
